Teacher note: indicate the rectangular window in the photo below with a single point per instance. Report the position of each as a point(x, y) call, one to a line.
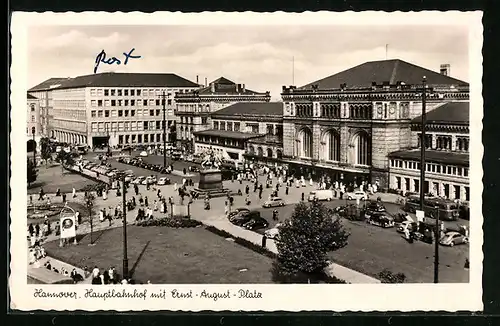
point(151, 102)
point(120, 139)
point(99, 114)
point(126, 103)
point(107, 103)
point(157, 113)
point(93, 113)
point(139, 113)
point(204, 122)
point(113, 92)
point(120, 126)
point(138, 92)
point(113, 126)
point(94, 126)
point(229, 126)
point(169, 102)
point(146, 138)
point(133, 125)
point(114, 113)
point(158, 125)
point(133, 138)
point(466, 172)
point(132, 113)
point(132, 92)
point(99, 102)
point(222, 125)
point(106, 113)
point(127, 126)
point(145, 102)
point(139, 137)
point(151, 113)
point(125, 92)
point(158, 139)
point(93, 92)
point(216, 124)
point(236, 126)
point(106, 92)
point(132, 102)
point(157, 102)
point(438, 168)
point(99, 92)
point(145, 125)
point(139, 103)
point(126, 113)
point(113, 102)
point(448, 168)
point(120, 113)
point(119, 92)
point(454, 170)
point(93, 103)
point(139, 126)
point(120, 102)
point(151, 125)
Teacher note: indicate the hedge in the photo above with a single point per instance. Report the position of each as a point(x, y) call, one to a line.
point(175, 222)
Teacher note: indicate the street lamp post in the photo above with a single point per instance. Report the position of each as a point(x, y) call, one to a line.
point(163, 97)
point(436, 247)
point(89, 206)
point(124, 214)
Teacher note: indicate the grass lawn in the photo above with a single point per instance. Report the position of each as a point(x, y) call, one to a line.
point(169, 256)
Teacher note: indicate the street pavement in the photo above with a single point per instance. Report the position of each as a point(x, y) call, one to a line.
point(370, 248)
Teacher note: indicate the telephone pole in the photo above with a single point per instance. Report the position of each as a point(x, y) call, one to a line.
point(163, 97)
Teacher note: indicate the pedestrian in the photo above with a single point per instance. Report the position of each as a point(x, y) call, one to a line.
point(158, 194)
point(74, 192)
point(175, 186)
point(302, 196)
point(286, 190)
point(136, 189)
point(41, 193)
point(58, 192)
point(37, 230)
point(247, 200)
point(247, 189)
point(31, 229)
point(31, 199)
point(184, 171)
point(260, 194)
point(146, 203)
point(155, 206)
point(64, 197)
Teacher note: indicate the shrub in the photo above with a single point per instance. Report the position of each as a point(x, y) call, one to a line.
point(386, 276)
point(279, 276)
point(170, 222)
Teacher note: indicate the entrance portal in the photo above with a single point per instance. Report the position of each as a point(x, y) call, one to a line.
point(100, 142)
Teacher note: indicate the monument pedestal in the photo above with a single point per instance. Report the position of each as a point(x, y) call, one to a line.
point(211, 184)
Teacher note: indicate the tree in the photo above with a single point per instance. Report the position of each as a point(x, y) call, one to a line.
point(32, 172)
point(66, 159)
point(304, 242)
point(46, 151)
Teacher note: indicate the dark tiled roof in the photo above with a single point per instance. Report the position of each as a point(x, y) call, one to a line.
point(224, 86)
point(223, 81)
point(47, 84)
point(449, 113)
point(226, 134)
point(433, 156)
point(115, 79)
point(390, 71)
point(252, 109)
point(31, 97)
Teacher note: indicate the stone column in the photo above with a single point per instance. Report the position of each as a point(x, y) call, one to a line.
point(441, 189)
point(344, 144)
point(403, 183)
point(412, 184)
point(452, 191)
point(434, 140)
point(316, 134)
point(453, 142)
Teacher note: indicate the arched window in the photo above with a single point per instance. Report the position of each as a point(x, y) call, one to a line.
point(251, 150)
point(260, 152)
point(361, 145)
point(305, 143)
point(279, 154)
point(269, 152)
point(331, 151)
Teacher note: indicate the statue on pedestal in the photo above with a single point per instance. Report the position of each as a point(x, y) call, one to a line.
point(211, 160)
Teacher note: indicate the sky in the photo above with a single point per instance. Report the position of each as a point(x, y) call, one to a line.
point(264, 58)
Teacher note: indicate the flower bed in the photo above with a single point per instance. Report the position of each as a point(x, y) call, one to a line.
point(175, 222)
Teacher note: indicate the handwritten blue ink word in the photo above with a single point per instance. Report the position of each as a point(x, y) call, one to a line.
point(101, 57)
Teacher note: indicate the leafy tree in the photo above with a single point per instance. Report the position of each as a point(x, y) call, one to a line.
point(46, 151)
point(32, 172)
point(66, 159)
point(304, 241)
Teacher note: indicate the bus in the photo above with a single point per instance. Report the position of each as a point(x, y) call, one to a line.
point(448, 210)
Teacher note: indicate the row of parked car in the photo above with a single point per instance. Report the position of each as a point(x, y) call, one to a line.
point(139, 162)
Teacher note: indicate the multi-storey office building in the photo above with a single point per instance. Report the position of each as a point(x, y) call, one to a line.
point(193, 109)
point(446, 154)
point(344, 126)
point(124, 108)
point(251, 130)
point(35, 124)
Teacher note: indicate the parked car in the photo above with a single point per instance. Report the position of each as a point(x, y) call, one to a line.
point(453, 238)
point(138, 180)
point(143, 154)
point(323, 194)
point(194, 168)
point(243, 217)
point(256, 223)
point(374, 207)
point(406, 225)
point(236, 211)
point(381, 219)
point(273, 202)
point(163, 181)
point(273, 233)
point(150, 179)
point(355, 195)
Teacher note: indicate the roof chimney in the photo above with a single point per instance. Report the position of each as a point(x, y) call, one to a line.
point(444, 69)
point(243, 88)
point(205, 81)
point(197, 80)
point(212, 87)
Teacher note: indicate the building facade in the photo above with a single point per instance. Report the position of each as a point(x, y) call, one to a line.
point(446, 155)
point(344, 126)
point(244, 131)
point(193, 109)
point(35, 124)
point(124, 109)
